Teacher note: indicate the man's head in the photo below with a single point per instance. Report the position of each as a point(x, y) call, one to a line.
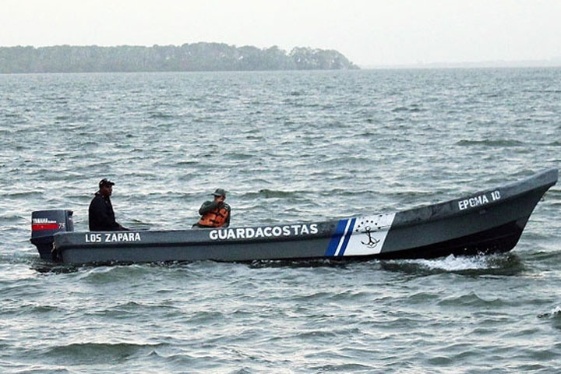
point(106, 187)
point(219, 194)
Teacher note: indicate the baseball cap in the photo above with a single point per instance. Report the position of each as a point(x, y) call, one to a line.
point(219, 192)
point(105, 182)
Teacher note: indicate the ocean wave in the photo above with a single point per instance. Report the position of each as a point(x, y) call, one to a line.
point(96, 353)
point(288, 150)
point(490, 143)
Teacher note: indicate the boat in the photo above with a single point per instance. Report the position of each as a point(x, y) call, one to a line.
point(488, 221)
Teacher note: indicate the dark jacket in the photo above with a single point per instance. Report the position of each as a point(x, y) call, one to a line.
point(102, 216)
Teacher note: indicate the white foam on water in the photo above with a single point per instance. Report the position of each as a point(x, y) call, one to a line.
point(453, 263)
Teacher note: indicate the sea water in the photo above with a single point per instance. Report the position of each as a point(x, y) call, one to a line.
point(288, 147)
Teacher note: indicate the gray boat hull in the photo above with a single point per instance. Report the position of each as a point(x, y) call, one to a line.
point(489, 221)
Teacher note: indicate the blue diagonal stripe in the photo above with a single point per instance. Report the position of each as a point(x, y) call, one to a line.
point(340, 236)
point(347, 238)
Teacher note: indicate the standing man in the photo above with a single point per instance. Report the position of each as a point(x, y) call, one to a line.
point(101, 214)
point(214, 213)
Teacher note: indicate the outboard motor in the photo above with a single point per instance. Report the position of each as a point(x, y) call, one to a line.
point(44, 225)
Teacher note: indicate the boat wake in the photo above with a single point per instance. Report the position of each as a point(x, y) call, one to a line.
point(496, 264)
point(554, 316)
point(555, 313)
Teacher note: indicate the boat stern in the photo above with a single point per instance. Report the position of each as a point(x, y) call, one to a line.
point(44, 225)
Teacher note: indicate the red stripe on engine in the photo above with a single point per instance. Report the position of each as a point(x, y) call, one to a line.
point(44, 226)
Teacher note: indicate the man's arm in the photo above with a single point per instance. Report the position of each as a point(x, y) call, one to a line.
point(208, 206)
point(227, 223)
point(99, 211)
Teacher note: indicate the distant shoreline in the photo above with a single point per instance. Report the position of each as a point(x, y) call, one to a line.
point(187, 57)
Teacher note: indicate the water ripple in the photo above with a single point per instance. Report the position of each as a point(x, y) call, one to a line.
point(289, 147)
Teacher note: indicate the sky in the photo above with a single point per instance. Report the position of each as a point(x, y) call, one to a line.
point(367, 32)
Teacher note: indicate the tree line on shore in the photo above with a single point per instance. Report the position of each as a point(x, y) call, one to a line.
point(187, 57)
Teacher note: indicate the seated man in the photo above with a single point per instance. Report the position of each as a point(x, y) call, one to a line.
point(214, 213)
point(101, 214)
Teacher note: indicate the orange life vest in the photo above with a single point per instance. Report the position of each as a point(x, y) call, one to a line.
point(214, 218)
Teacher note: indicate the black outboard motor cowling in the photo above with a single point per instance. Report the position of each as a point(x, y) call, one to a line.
point(45, 224)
